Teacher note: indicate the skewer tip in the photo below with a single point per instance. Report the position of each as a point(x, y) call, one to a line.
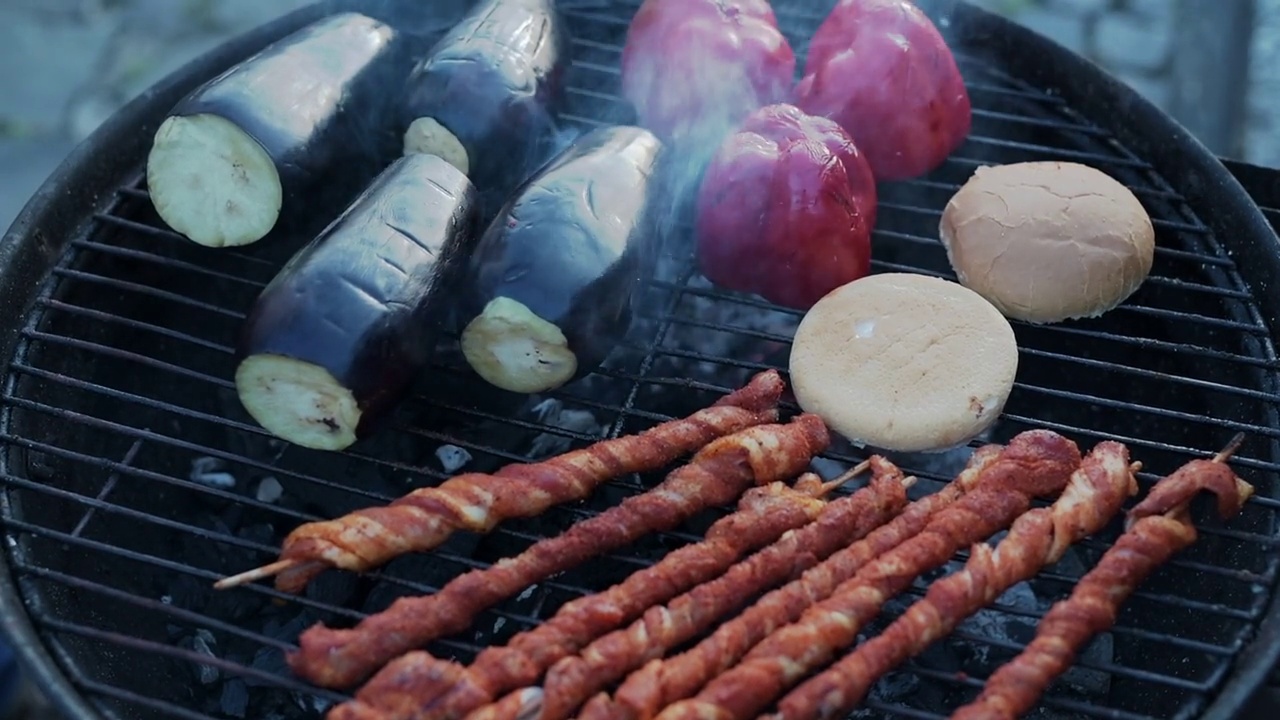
point(530, 703)
point(255, 574)
point(1230, 449)
point(846, 476)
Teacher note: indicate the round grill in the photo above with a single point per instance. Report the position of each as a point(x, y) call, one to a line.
point(133, 479)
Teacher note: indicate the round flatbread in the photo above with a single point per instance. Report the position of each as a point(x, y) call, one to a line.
point(904, 362)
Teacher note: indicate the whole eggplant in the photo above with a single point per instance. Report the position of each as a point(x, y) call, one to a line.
point(486, 96)
point(550, 288)
point(295, 125)
point(334, 341)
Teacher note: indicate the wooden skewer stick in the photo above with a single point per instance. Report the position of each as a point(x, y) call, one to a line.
point(846, 476)
point(258, 573)
point(1230, 449)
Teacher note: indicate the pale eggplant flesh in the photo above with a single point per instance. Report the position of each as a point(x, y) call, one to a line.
point(334, 342)
point(551, 287)
point(298, 126)
point(487, 95)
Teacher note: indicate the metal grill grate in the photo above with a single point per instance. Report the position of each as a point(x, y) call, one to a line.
point(122, 384)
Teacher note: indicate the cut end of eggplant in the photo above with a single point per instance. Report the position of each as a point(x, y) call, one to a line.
point(428, 137)
point(514, 349)
point(298, 402)
point(212, 182)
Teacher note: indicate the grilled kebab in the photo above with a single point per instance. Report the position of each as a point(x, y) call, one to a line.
point(763, 515)
point(575, 677)
point(717, 475)
point(1158, 528)
point(1036, 463)
point(1039, 538)
point(826, 554)
point(477, 502)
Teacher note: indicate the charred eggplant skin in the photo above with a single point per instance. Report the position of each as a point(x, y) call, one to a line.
point(366, 299)
point(496, 81)
point(570, 248)
point(315, 101)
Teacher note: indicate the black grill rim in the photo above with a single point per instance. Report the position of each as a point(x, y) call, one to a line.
point(1211, 191)
point(85, 184)
point(59, 210)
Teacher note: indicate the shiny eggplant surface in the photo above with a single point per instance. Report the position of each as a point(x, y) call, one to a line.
point(550, 288)
point(486, 96)
point(335, 340)
point(294, 125)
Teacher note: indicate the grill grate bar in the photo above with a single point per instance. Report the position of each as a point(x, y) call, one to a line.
point(1157, 223)
point(287, 683)
point(1046, 123)
point(148, 475)
point(1116, 670)
point(421, 588)
point(1183, 317)
point(114, 693)
point(711, 293)
point(1070, 359)
point(1147, 344)
point(169, 262)
point(1162, 377)
point(190, 656)
point(118, 284)
point(1051, 124)
point(1062, 428)
point(140, 434)
point(164, 261)
point(107, 487)
point(95, 504)
point(273, 551)
point(167, 234)
point(1250, 428)
point(1119, 671)
point(1078, 155)
point(69, 381)
point(155, 606)
point(106, 317)
point(177, 567)
point(1085, 709)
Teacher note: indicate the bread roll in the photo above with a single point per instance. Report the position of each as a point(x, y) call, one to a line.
point(904, 362)
point(1048, 241)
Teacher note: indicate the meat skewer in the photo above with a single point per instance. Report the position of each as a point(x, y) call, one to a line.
point(1039, 538)
point(841, 542)
point(717, 475)
point(1036, 463)
point(763, 515)
point(1159, 527)
point(662, 627)
point(476, 502)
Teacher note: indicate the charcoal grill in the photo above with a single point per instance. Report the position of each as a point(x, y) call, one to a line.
point(132, 478)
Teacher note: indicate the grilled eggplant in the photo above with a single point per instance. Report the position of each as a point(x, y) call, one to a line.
point(301, 114)
point(550, 288)
point(486, 96)
point(334, 341)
